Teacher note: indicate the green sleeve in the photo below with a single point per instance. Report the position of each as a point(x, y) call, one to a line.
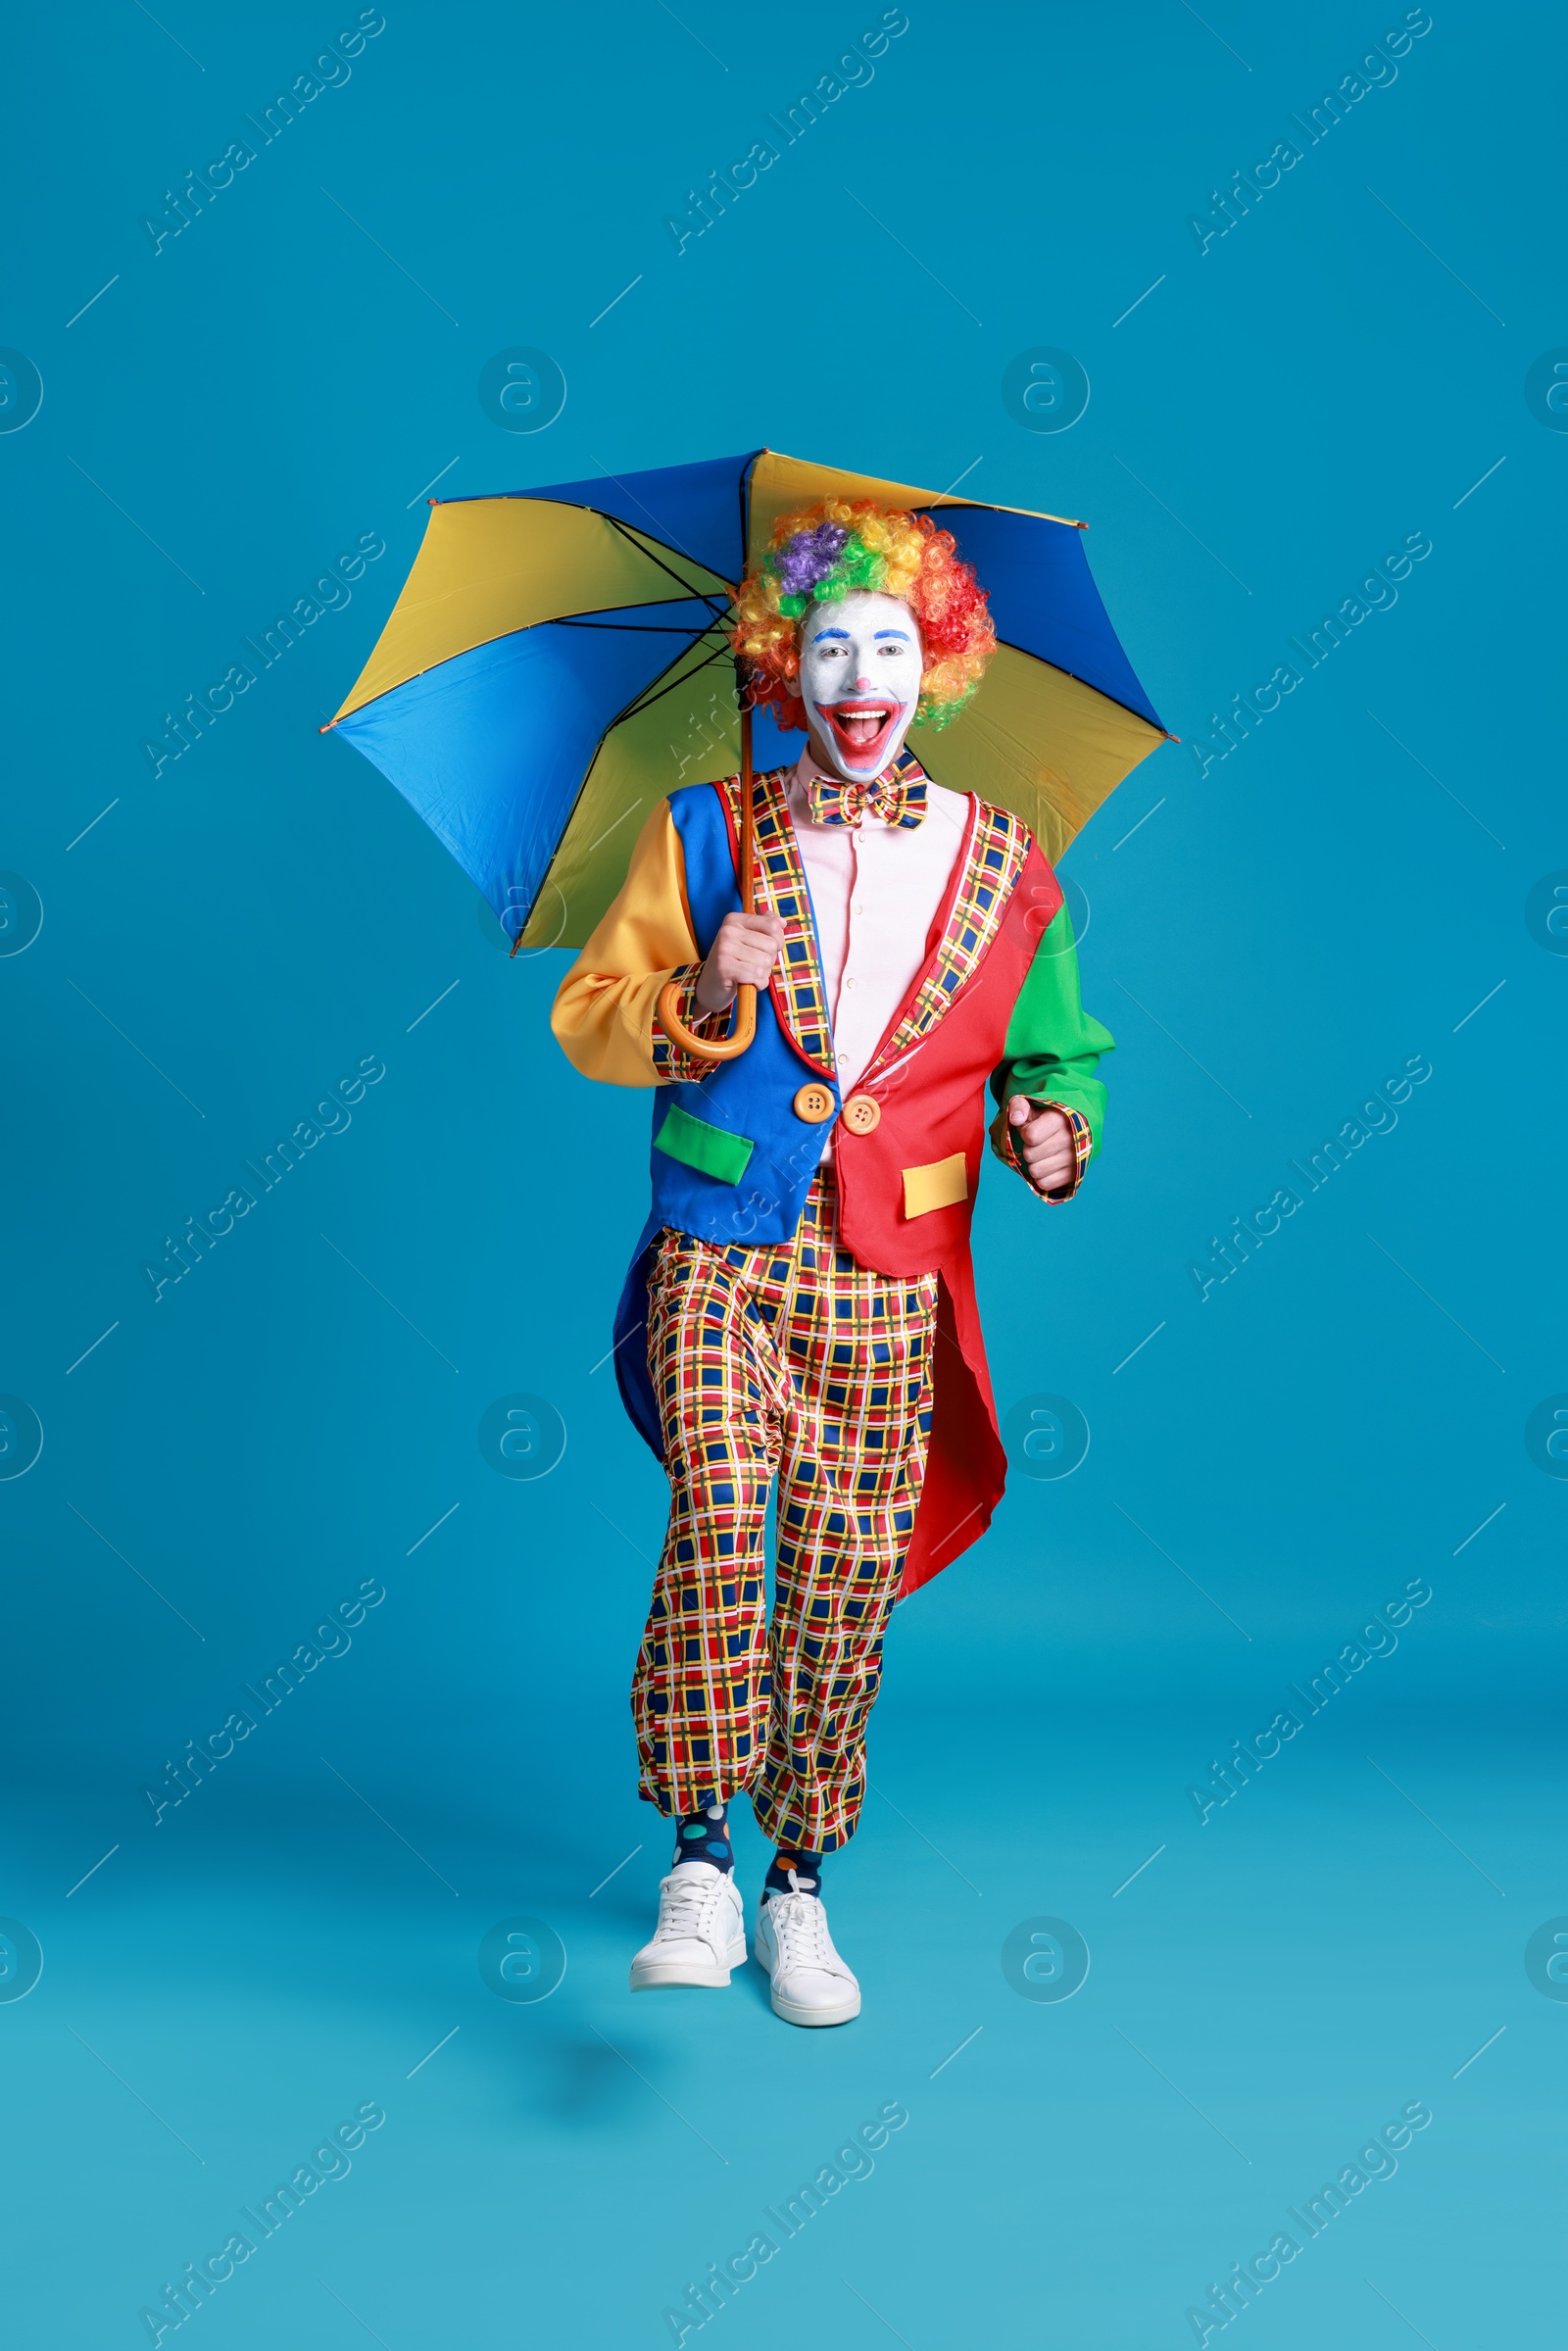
point(1053, 1045)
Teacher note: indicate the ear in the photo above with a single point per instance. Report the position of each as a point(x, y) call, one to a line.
point(792, 685)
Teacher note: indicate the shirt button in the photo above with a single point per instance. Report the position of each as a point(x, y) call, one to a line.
point(849, 983)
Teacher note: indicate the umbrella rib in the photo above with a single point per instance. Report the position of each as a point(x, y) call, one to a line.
point(658, 531)
point(636, 541)
point(643, 628)
point(635, 709)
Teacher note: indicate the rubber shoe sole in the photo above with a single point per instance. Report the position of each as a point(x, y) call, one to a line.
point(653, 1975)
point(841, 2013)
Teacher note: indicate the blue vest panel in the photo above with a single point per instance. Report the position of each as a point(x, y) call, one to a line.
point(751, 1098)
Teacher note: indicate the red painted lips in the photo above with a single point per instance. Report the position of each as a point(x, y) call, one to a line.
point(862, 727)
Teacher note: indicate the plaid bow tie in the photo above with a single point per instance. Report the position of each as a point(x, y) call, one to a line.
point(898, 796)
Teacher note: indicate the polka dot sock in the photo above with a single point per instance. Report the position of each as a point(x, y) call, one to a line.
point(808, 1868)
point(705, 1837)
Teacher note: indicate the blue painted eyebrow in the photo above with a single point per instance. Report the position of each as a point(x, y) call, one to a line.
point(901, 635)
point(829, 632)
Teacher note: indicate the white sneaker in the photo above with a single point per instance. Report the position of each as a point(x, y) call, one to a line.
point(810, 1983)
point(701, 1933)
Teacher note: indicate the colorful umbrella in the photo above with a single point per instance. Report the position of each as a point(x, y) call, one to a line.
point(559, 660)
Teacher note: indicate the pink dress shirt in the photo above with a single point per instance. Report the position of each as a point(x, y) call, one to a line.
point(875, 891)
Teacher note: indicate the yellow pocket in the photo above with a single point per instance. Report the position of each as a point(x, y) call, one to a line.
point(939, 1186)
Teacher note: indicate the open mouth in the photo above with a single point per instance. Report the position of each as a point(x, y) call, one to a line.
point(861, 728)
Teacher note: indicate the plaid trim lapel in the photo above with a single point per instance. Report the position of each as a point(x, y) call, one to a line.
point(800, 996)
point(993, 859)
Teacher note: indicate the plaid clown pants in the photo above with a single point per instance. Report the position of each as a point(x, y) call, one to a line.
point(787, 1360)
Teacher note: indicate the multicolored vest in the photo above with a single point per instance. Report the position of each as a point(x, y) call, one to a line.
point(732, 1155)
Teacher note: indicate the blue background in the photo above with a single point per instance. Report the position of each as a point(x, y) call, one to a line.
point(1284, 931)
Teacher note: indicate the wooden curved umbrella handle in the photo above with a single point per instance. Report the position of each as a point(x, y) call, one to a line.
point(708, 1048)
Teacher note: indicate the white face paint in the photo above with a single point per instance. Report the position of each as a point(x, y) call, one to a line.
point(860, 667)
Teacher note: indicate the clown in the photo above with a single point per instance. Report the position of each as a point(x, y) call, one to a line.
point(800, 1309)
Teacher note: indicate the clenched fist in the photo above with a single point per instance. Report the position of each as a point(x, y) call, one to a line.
point(1042, 1141)
point(743, 955)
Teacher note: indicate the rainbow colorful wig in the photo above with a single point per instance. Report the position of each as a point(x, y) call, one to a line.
point(834, 549)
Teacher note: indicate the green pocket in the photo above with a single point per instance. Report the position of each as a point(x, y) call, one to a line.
point(711, 1150)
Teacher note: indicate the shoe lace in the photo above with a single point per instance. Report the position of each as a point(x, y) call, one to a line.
point(685, 1907)
point(800, 1923)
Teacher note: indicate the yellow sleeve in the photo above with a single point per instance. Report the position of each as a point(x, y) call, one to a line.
point(605, 1015)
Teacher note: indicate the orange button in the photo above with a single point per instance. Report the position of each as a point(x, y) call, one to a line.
point(862, 1114)
point(813, 1103)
